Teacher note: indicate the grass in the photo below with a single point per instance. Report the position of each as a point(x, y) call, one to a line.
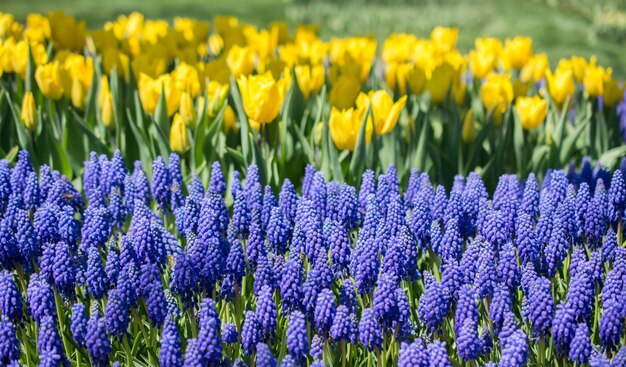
point(556, 27)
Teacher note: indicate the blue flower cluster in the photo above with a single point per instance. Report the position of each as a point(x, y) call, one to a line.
point(165, 272)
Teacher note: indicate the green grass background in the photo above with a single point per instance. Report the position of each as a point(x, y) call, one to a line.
point(559, 27)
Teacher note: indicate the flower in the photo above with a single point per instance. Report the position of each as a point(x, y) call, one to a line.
point(560, 85)
point(344, 127)
point(187, 111)
point(48, 79)
point(469, 127)
point(594, 80)
point(297, 338)
point(106, 110)
point(384, 111)
point(516, 52)
point(262, 97)
point(535, 69)
point(28, 114)
point(310, 78)
point(344, 91)
point(444, 38)
point(531, 111)
point(240, 61)
point(496, 93)
point(178, 135)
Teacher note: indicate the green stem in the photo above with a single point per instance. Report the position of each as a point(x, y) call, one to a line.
point(379, 360)
point(144, 334)
point(344, 357)
point(128, 351)
point(59, 309)
point(542, 351)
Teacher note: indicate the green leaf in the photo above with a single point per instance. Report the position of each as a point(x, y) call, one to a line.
point(569, 143)
point(236, 155)
point(161, 116)
point(611, 158)
point(358, 155)
point(30, 84)
point(93, 139)
point(23, 135)
point(308, 150)
point(244, 125)
point(518, 143)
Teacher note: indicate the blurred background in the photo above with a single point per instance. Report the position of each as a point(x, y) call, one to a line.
point(559, 27)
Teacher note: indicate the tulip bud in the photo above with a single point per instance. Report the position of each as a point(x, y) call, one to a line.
point(469, 130)
point(230, 120)
point(107, 110)
point(29, 112)
point(531, 111)
point(178, 135)
point(186, 110)
point(78, 94)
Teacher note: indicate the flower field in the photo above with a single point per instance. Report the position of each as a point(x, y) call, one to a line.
point(203, 193)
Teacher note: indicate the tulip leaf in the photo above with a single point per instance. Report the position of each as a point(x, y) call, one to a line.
point(161, 116)
point(23, 136)
point(336, 169)
point(30, 84)
point(358, 155)
point(611, 158)
point(93, 139)
point(236, 155)
point(200, 134)
point(518, 143)
point(419, 161)
point(569, 143)
point(145, 148)
point(304, 143)
point(478, 145)
point(59, 155)
point(244, 125)
point(11, 154)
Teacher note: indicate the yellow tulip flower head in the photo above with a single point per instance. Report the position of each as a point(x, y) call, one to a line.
point(240, 61)
point(48, 79)
point(595, 77)
point(78, 94)
point(262, 97)
point(29, 116)
point(106, 110)
point(230, 120)
point(469, 128)
point(482, 63)
point(516, 52)
point(187, 111)
point(310, 78)
point(535, 69)
point(217, 94)
point(384, 111)
point(496, 93)
point(531, 111)
point(612, 93)
point(66, 31)
point(560, 85)
point(444, 38)
point(178, 136)
point(440, 81)
point(344, 127)
point(344, 91)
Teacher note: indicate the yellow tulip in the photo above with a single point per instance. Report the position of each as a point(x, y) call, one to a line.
point(520, 89)
point(612, 93)
point(19, 56)
point(186, 110)
point(37, 28)
point(344, 91)
point(482, 63)
point(496, 93)
point(281, 28)
point(217, 94)
point(66, 31)
point(240, 61)
point(150, 93)
point(440, 81)
point(230, 121)
point(517, 52)
point(594, 79)
point(535, 69)
point(216, 44)
point(115, 59)
point(217, 70)
point(579, 65)
point(262, 97)
point(416, 80)
point(78, 94)
point(29, 116)
point(344, 127)
point(488, 45)
point(178, 136)
point(531, 111)
point(186, 78)
point(106, 110)
point(104, 90)
point(384, 111)
point(310, 78)
point(469, 129)
point(560, 85)
point(48, 79)
point(444, 38)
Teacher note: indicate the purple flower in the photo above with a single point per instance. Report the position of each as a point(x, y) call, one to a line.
point(580, 295)
point(530, 198)
point(611, 323)
point(370, 333)
point(48, 338)
point(266, 313)
point(9, 344)
point(117, 313)
point(413, 355)
point(250, 333)
point(324, 311)
point(437, 355)
point(97, 340)
point(344, 326)
point(431, 310)
point(264, 357)
point(229, 333)
point(340, 249)
point(515, 350)
point(467, 341)
point(193, 356)
point(96, 275)
point(297, 337)
point(170, 353)
point(367, 188)
point(10, 297)
point(78, 323)
point(217, 183)
point(466, 308)
point(209, 341)
point(580, 348)
point(541, 306)
point(161, 184)
point(317, 347)
point(40, 298)
point(563, 327)
point(347, 295)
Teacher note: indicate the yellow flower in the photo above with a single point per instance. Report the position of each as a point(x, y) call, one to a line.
point(178, 136)
point(310, 78)
point(444, 38)
point(416, 79)
point(579, 65)
point(344, 127)
point(217, 94)
point(440, 81)
point(78, 94)
point(76, 67)
point(187, 112)
point(240, 61)
point(29, 116)
point(469, 129)
point(520, 89)
point(186, 79)
point(517, 52)
point(230, 121)
point(482, 63)
point(48, 79)
point(281, 28)
point(535, 69)
point(560, 85)
point(488, 45)
point(114, 58)
point(531, 111)
point(216, 44)
point(19, 56)
point(150, 93)
point(37, 28)
point(217, 70)
point(103, 90)
point(612, 93)
point(496, 93)
point(149, 65)
point(344, 91)
point(262, 97)
point(106, 110)
point(594, 79)
point(384, 111)
point(66, 31)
